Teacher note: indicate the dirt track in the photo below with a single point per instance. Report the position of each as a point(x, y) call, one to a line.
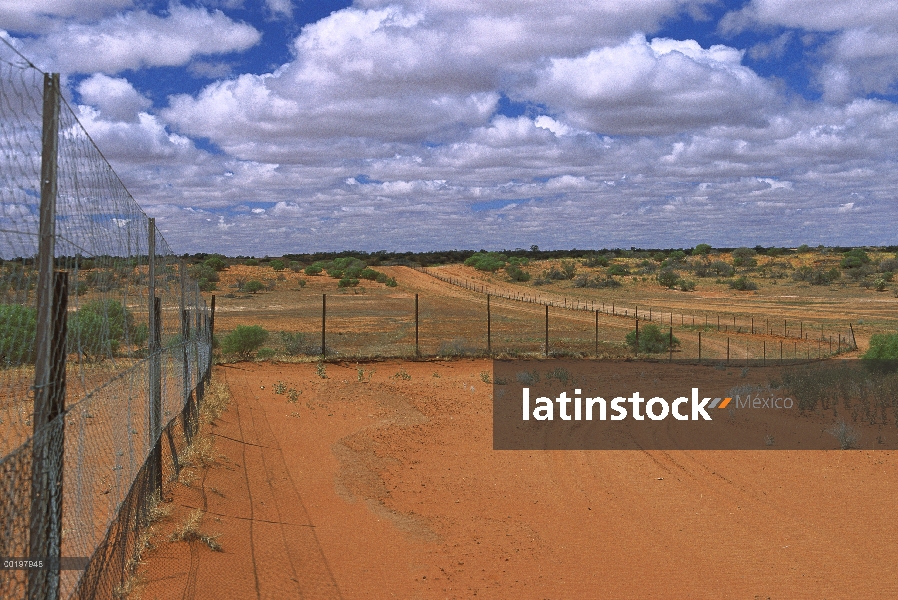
point(390, 488)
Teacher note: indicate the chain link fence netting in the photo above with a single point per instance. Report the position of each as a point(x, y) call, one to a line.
point(107, 368)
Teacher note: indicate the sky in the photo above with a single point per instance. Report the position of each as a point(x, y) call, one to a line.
point(251, 127)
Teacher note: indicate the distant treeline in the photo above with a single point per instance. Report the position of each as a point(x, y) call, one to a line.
point(436, 257)
point(440, 257)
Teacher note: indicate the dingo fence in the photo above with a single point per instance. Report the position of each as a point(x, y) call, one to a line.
point(105, 346)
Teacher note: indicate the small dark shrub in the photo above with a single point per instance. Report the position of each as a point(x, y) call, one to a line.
point(516, 273)
point(348, 282)
point(743, 284)
point(313, 270)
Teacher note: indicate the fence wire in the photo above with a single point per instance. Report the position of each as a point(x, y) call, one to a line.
point(102, 242)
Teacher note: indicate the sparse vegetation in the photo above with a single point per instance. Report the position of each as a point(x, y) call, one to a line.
point(651, 340)
point(244, 341)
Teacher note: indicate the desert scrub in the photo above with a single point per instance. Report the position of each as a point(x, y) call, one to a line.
point(244, 341)
point(190, 531)
point(651, 340)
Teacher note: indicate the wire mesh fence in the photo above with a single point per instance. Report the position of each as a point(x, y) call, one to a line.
point(379, 323)
point(104, 347)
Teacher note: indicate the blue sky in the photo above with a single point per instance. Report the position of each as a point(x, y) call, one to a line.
point(294, 126)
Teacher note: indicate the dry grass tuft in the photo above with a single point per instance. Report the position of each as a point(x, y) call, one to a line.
point(189, 531)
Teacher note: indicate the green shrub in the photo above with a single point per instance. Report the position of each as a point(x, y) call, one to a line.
point(277, 265)
point(348, 282)
point(313, 270)
point(804, 248)
point(206, 286)
point(216, 262)
point(253, 285)
point(251, 262)
point(244, 341)
point(99, 326)
point(701, 249)
point(390, 282)
point(816, 276)
point(854, 258)
point(743, 284)
point(668, 278)
point(686, 285)
point(301, 282)
point(335, 273)
point(516, 273)
point(882, 355)
point(487, 261)
point(618, 270)
point(744, 257)
point(203, 271)
point(651, 340)
point(585, 281)
point(595, 260)
point(18, 328)
point(368, 273)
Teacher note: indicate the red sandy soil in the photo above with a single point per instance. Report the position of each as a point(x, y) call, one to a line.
point(390, 488)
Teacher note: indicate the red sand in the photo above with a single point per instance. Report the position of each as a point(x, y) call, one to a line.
point(390, 488)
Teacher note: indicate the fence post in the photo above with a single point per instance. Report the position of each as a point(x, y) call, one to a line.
point(188, 419)
point(670, 345)
point(699, 346)
point(489, 347)
point(853, 341)
point(156, 396)
point(48, 446)
point(636, 347)
point(45, 517)
point(417, 351)
point(728, 350)
point(597, 332)
point(155, 366)
point(323, 327)
point(547, 331)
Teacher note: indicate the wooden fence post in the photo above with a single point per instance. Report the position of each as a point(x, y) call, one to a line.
point(45, 524)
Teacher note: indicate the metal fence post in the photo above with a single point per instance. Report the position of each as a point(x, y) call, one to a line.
point(489, 347)
point(47, 446)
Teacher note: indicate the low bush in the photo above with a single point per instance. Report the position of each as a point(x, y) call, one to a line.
point(18, 328)
point(297, 343)
point(244, 341)
point(516, 273)
point(348, 282)
point(882, 355)
point(743, 284)
point(668, 278)
point(277, 265)
point(253, 285)
point(816, 276)
point(99, 326)
point(854, 258)
point(487, 261)
point(651, 340)
point(619, 270)
point(313, 270)
point(585, 281)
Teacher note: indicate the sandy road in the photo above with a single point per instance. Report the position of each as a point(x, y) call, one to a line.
point(389, 487)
